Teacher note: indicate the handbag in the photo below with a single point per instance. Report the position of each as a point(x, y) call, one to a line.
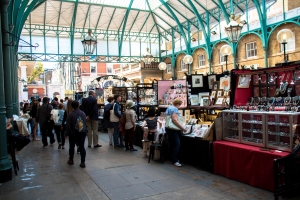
point(171, 125)
point(113, 117)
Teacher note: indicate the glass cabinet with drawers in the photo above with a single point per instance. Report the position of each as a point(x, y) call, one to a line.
point(282, 130)
point(231, 125)
point(253, 128)
point(274, 130)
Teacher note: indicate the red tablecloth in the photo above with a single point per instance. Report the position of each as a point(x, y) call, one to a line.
point(245, 163)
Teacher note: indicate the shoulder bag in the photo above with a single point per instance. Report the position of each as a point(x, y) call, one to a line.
point(113, 117)
point(171, 125)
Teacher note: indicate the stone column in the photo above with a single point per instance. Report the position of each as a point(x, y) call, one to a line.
point(5, 167)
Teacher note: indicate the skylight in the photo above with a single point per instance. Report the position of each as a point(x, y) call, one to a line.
point(137, 4)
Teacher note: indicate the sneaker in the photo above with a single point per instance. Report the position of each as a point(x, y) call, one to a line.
point(70, 162)
point(98, 145)
point(82, 165)
point(59, 146)
point(177, 164)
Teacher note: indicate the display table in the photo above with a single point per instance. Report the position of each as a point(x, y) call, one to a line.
point(245, 163)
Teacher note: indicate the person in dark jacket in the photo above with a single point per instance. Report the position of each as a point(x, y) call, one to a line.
point(75, 136)
point(109, 125)
point(117, 112)
point(90, 108)
point(41, 117)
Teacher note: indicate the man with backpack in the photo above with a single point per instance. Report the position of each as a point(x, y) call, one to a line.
point(76, 130)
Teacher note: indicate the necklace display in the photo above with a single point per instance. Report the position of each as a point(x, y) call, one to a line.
point(263, 92)
point(263, 79)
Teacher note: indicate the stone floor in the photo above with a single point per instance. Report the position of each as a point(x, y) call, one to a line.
point(115, 174)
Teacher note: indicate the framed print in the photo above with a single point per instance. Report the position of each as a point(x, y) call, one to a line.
point(194, 100)
point(215, 85)
point(227, 101)
point(225, 83)
point(213, 94)
point(186, 112)
point(109, 69)
point(169, 69)
point(200, 97)
point(244, 81)
point(219, 93)
point(226, 93)
point(197, 80)
point(206, 102)
point(180, 112)
point(219, 101)
point(211, 80)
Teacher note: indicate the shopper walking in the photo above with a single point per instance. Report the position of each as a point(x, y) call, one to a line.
point(130, 125)
point(58, 116)
point(43, 116)
point(76, 130)
point(173, 135)
point(109, 125)
point(90, 108)
point(33, 113)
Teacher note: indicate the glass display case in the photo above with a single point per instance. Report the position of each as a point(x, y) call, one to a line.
point(282, 130)
point(253, 128)
point(231, 125)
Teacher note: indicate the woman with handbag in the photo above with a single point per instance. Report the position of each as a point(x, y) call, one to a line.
point(173, 130)
point(130, 118)
point(109, 125)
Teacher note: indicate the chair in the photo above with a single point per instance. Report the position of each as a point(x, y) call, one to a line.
point(159, 146)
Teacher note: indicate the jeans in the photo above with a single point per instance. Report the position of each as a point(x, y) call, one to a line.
point(60, 135)
point(80, 138)
point(92, 126)
point(174, 144)
point(116, 133)
point(47, 132)
point(129, 138)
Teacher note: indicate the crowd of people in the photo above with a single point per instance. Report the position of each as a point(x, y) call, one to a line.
point(68, 118)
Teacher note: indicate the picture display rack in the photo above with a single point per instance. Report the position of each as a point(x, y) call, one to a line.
point(142, 89)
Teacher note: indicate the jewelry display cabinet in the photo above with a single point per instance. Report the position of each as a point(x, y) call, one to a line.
point(231, 128)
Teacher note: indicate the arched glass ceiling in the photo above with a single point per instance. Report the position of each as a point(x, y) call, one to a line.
point(138, 4)
point(133, 16)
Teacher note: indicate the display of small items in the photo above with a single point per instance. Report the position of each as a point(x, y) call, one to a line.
point(147, 97)
point(176, 91)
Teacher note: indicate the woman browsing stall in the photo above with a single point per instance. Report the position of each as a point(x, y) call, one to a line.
point(173, 135)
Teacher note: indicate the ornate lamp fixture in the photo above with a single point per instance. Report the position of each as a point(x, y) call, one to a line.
point(283, 37)
point(89, 43)
point(225, 51)
point(148, 58)
point(162, 66)
point(233, 29)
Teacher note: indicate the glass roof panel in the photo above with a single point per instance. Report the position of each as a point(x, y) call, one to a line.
point(137, 4)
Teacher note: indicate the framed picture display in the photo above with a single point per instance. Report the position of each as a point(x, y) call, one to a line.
point(180, 112)
point(206, 100)
point(227, 101)
point(244, 81)
point(186, 112)
point(200, 97)
point(211, 80)
point(215, 85)
point(225, 83)
point(192, 116)
point(226, 93)
point(213, 94)
point(197, 80)
point(194, 100)
point(219, 93)
point(219, 101)
point(169, 69)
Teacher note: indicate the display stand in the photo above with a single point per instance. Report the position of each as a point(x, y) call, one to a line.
point(146, 98)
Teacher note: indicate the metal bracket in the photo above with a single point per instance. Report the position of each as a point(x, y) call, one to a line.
point(16, 38)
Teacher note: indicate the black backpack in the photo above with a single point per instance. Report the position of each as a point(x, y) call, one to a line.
point(107, 112)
